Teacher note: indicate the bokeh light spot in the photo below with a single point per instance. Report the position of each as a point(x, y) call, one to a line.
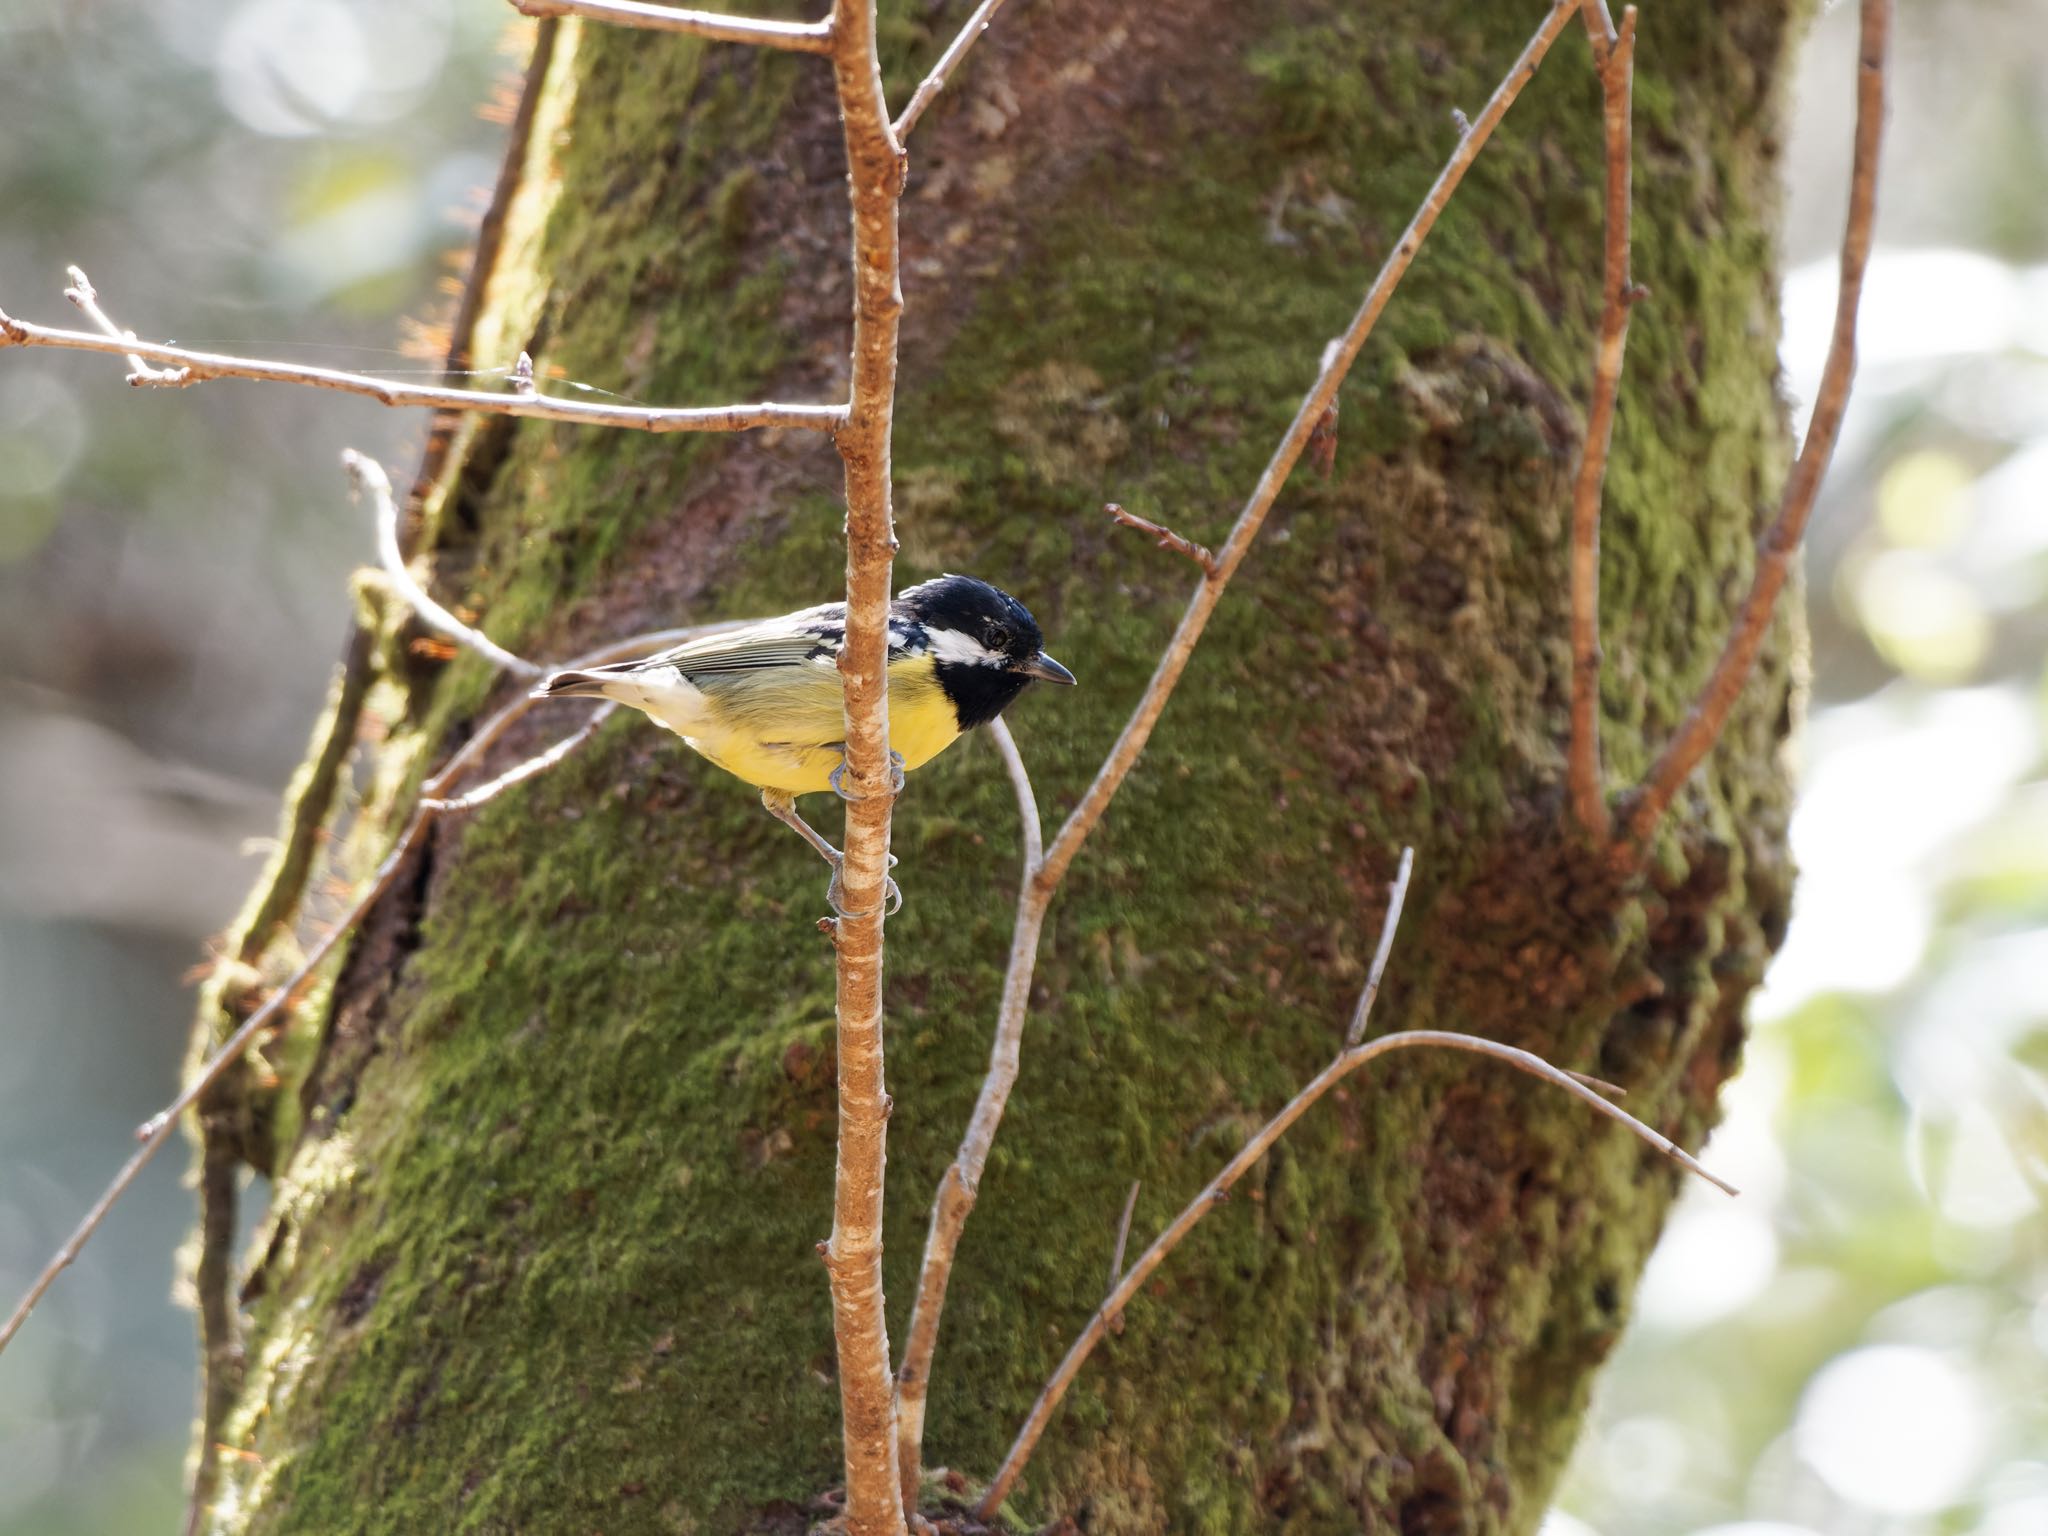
point(1893, 1428)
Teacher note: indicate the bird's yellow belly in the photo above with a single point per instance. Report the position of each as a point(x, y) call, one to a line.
point(922, 724)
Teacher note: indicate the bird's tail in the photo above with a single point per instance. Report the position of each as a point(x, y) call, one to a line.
point(573, 685)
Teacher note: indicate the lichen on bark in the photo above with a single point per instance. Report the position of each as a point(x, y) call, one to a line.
point(541, 1257)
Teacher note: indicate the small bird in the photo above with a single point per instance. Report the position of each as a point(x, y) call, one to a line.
point(764, 702)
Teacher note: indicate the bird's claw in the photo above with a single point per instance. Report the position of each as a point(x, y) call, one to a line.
point(895, 778)
point(835, 893)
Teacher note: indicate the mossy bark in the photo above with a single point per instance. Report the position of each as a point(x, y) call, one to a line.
point(540, 1258)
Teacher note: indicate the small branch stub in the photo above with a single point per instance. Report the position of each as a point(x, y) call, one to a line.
point(1165, 537)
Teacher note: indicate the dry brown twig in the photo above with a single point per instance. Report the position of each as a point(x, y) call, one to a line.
point(1703, 724)
point(929, 88)
point(1164, 537)
point(1348, 1060)
point(954, 1201)
point(853, 1253)
point(197, 367)
point(1614, 56)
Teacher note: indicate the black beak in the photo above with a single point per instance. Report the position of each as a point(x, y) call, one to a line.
point(1045, 669)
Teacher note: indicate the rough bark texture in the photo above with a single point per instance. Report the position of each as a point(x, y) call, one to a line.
point(541, 1254)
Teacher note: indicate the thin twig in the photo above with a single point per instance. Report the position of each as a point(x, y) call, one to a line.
point(961, 1182)
point(82, 294)
point(929, 88)
point(519, 773)
point(1020, 783)
point(1397, 898)
point(159, 1128)
point(434, 797)
point(201, 366)
point(1165, 537)
point(367, 478)
point(1337, 361)
point(1347, 1061)
point(853, 1254)
point(1213, 1193)
point(1702, 726)
point(955, 1198)
point(791, 36)
point(1116, 1258)
point(1614, 55)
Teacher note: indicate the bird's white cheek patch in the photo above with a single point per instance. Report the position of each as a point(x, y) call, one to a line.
point(963, 650)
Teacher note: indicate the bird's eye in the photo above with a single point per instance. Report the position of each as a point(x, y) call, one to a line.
point(998, 637)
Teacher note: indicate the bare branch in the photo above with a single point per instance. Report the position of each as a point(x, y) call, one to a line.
point(367, 478)
point(1165, 537)
point(929, 88)
point(960, 1183)
point(853, 1255)
point(1614, 53)
point(791, 36)
point(159, 1128)
point(82, 294)
point(1337, 361)
point(1397, 898)
point(956, 1194)
point(200, 366)
point(1347, 1061)
point(1703, 725)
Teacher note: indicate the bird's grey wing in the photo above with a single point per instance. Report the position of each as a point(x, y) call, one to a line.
point(796, 638)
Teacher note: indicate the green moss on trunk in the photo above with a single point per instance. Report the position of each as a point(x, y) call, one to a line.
point(542, 1257)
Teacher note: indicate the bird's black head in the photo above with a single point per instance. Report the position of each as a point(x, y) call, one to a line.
point(984, 643)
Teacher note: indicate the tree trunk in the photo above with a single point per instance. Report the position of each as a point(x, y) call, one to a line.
point(558, 1143)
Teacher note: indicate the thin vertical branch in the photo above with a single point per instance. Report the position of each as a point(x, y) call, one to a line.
point(955, 1198)
point(853, 1255)
point(1614, 55)
point(1702, 726)
point(961, 1182)
point(1397, 898)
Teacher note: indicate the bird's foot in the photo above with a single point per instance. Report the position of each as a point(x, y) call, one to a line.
point(835, 893)
point(837, 781)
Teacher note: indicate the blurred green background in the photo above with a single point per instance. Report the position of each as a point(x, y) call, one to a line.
point(1856, 1346)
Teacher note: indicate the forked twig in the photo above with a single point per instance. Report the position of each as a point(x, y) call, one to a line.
point(954, 1200)
point(929, 88)
point(1347, 1061)
point(367, 478)
point(791, 36)
point(1614, 55)
point(1703, 724)
point(82, 294)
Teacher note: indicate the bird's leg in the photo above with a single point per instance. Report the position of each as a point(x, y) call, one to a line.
point(895, 775)
point(782, 806)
